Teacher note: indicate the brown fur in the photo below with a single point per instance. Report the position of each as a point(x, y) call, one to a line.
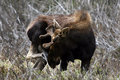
point(61, 29)
point(79, 20)
point(63, 20)
point(38, 27)
point(72, 42)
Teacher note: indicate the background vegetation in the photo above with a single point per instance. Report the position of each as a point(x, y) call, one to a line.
point(15, 15)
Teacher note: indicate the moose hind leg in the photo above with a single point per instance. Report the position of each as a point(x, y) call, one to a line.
point(85, 65)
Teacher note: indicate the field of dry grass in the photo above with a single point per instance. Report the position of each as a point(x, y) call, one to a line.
point(15, 15)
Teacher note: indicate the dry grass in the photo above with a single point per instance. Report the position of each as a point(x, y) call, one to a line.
point(15, 15)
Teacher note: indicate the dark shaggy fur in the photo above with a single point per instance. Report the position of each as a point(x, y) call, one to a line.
point(76, 41)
